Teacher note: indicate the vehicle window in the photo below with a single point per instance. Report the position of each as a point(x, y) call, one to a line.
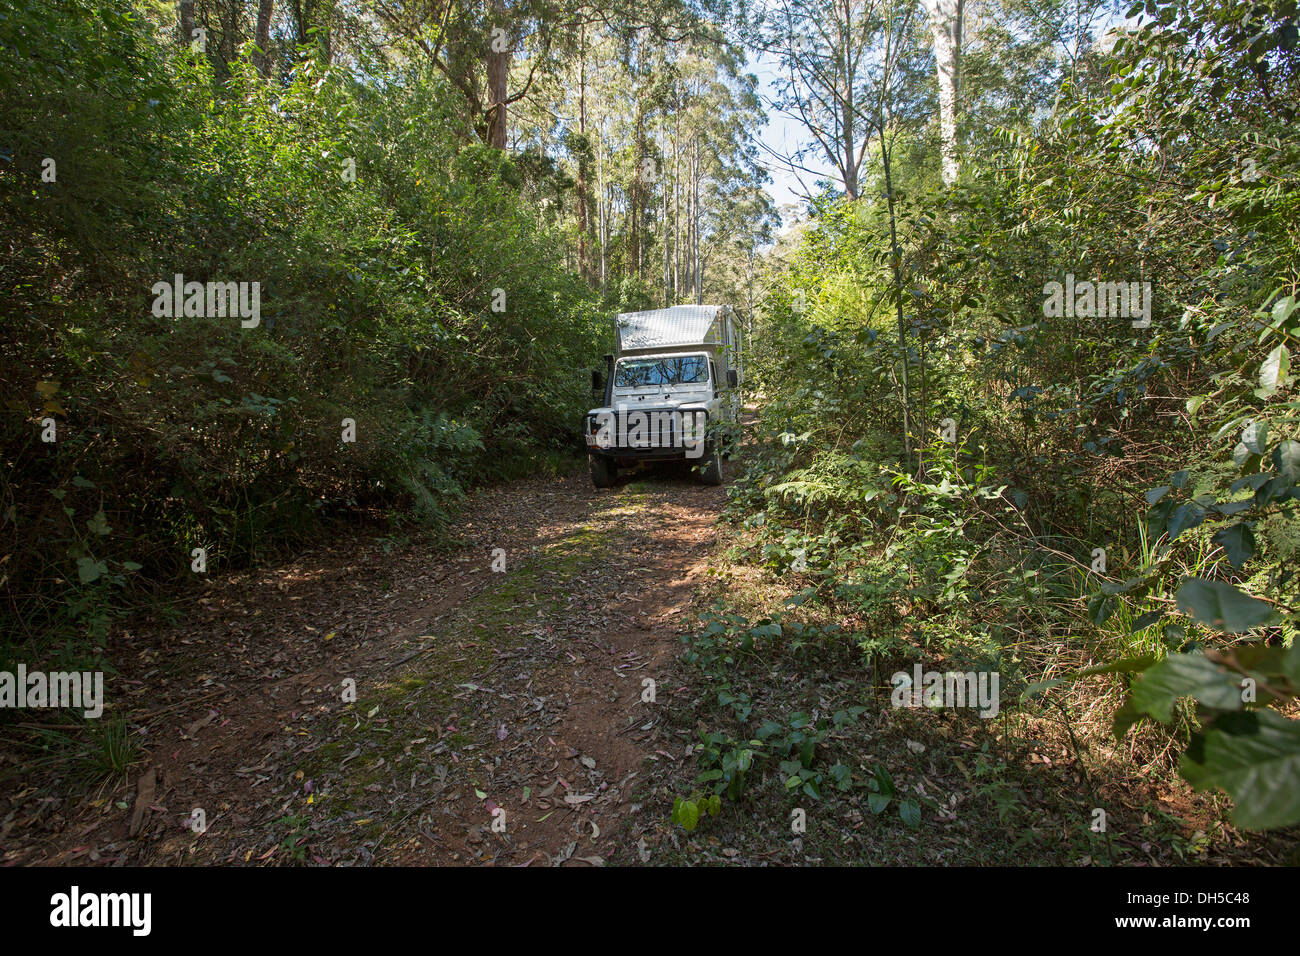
point(679, 370)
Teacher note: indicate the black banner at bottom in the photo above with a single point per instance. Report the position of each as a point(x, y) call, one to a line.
point(336, 906)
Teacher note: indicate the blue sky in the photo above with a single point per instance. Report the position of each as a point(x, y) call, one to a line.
point(782, 134)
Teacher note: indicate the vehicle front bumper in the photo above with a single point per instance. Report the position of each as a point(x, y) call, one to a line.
point(647, 434)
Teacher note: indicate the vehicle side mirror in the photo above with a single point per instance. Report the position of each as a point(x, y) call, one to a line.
point(597, 380)
point(733, 378)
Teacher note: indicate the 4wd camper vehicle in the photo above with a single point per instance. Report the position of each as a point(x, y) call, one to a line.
point(671, 380)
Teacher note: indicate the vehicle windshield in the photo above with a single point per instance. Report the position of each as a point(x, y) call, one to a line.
point(677, 370)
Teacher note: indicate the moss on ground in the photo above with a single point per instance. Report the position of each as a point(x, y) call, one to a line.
point(414, 701)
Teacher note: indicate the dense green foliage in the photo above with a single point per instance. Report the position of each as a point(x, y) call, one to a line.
point(958, 460)
point(1082, 488)
point(433, 287)
point(405, 285)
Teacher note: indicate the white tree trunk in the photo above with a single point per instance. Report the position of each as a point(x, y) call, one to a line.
point(945, 26)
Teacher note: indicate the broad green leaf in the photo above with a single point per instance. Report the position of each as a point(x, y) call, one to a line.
point(1272, 662)
point(910, 811)
point(1228, 426)
point(89, 570)
point(1184, 675)
point(1155, 494)
point(1286, 459)
point(842, 774)
point(1255, 437)
point(1255, 757)
point(1272, 490)
point(1238, 543)
point(1273, 373)
point(1253, 481)
point(1185, 516)
point(688, 815)
point(1221, 605)
point(1146, 620)
point(99, 524)
point(1100, 608)
point(1283, 308)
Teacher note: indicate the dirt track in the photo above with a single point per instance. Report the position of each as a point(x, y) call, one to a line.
point(498, 717)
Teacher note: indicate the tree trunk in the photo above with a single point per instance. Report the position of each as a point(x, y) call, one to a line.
point(602, 210)
point(262, 58)
point(945, 26)
point(187, 22)
point(851, 163)
point(698, 267)
point(498, 72)
point(230, 40)
point(636, 194)
point(584, 186)
point(896, 257)
point(663, 221)
point(677, 210)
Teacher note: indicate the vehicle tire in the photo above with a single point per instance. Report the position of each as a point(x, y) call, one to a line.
point(711, 470)
point(603, 471)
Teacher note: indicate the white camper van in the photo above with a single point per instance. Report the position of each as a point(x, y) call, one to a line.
point(674, 373)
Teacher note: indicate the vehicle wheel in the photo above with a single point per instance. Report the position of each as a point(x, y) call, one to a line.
point(711, 470)
point(603, 471)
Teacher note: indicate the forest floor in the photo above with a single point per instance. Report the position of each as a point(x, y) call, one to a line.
point(474, 690)
point(501, 717)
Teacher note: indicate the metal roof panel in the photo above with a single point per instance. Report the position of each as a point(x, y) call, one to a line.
point(674, 327)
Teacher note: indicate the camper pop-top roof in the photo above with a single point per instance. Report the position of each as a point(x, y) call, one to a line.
point(677, 327)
